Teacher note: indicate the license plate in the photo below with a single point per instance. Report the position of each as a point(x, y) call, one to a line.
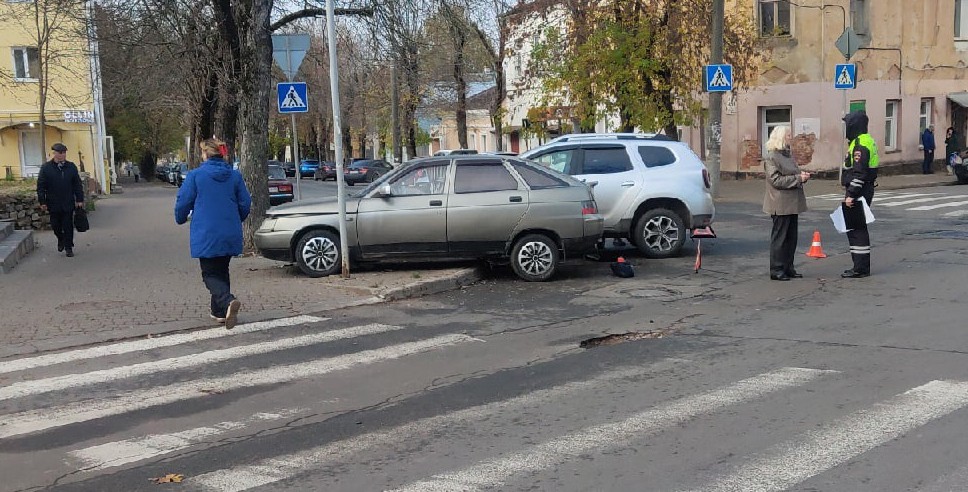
point(273, 189)
point(353, 171)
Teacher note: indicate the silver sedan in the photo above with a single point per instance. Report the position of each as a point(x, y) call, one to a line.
point(459, 207)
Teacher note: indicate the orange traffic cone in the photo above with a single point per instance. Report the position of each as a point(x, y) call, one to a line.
point(816, 251)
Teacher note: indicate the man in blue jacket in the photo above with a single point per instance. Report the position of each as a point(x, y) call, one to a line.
point(59, 192)
point(927, 142)
point(216, 196)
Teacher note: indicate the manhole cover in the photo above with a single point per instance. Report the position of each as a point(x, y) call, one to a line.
point(619, 338)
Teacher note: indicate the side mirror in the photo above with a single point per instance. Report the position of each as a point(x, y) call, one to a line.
point(383, 192)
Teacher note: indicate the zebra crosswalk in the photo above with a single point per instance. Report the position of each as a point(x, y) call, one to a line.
point(947, 205)
point(135, 407)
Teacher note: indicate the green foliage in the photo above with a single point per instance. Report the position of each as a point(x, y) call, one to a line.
point(277, 143)
point(140, 131)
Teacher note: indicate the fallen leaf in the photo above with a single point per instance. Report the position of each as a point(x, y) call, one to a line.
point(211, 391)
point(169, 478)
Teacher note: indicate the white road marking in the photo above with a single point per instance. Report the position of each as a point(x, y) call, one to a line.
point(943, 205)
point(956, 213)
point(36, 387)
point(83, 411)
point(797, 460)
point(494, 473)
point(119, 453)
point(886, 203)
point(149, 343)
point(280, 468)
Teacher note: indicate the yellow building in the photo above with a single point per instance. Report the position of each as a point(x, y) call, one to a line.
point(73, 111)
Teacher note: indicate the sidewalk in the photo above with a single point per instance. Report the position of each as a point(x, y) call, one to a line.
point(133, 275)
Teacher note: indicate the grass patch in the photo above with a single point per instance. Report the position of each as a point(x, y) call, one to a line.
point(18, 187)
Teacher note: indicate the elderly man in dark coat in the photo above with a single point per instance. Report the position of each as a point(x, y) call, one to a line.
point(59, 192)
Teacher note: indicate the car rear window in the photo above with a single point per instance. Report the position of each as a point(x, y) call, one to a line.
point(606, 161)
point(478, 177)
point(654, 156)
point(276, 172)
point(537, 179)
point(564, 161)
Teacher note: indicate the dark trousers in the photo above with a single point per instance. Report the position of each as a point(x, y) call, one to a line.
point(215, 274)
point(783, 244)
point(928, 160)
point(63, 225)
point(860, 242)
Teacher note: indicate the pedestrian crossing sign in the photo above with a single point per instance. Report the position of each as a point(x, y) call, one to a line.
point(845, 76)
point(292, 97)
point(719, 78)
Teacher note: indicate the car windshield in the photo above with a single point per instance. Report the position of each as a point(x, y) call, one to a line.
point(276, 172)
point(380, 181)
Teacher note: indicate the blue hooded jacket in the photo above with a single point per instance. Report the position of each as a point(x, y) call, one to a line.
point(216, 196)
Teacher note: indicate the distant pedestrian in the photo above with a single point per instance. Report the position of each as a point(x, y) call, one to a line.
point(784, 201)
point(218, 201)
point(927, 142)
point(951, 149)
point(59, 192)
point(858, 178)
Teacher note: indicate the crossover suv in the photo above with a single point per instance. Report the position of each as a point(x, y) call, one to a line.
point(650, 188)
point(460, 207)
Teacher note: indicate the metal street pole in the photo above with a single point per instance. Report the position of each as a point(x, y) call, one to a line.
point(714, 135)
point(295, 135)
point(338, 130)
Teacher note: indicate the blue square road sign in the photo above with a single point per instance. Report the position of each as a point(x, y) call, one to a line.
point(845, 76)
point(719, 78)
point(292, 97)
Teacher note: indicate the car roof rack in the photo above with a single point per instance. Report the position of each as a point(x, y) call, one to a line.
point(617, 136)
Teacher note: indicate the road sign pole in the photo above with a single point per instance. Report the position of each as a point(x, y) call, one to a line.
point(714, 135)
point(338, 130)
point(843, 144)
point(295, 156)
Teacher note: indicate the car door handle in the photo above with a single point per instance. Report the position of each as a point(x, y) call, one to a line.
point(436, 203)
point(515, 199)
point(628, 184)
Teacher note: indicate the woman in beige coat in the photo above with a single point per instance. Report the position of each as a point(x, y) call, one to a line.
point(784, 200)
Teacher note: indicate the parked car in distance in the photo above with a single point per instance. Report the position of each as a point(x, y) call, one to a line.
point(327, 170)
point(444, 152)
point(651, 189)
point(462, 207)
point(161, 172)
point(308, 167)
point(365, 171)
point(280, 189)
point(504, 153)
point(288, 167)
point(177, 173)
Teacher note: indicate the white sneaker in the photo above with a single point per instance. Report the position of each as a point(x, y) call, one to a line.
point(231, 315)
point(217, 319)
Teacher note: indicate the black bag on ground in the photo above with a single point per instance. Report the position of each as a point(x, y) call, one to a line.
point(80, 220)
point(961, 171)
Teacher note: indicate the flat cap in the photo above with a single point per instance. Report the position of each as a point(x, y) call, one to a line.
point(59, 147)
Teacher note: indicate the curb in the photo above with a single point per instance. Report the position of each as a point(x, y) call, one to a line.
point(437, 285)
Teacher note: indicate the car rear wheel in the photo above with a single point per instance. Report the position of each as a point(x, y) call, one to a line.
point(317, 253)
point(660, 233)
point(535, 258)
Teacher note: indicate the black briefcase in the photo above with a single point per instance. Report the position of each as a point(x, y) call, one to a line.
point(80, 220)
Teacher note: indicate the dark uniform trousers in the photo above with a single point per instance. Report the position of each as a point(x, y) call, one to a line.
point(62, 222)
point(860, 240)
point(215, 274)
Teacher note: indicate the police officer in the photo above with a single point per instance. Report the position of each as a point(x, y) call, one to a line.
point(59, 192)
point(859, 174)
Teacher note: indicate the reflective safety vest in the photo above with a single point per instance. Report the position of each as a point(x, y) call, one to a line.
point(867, 141)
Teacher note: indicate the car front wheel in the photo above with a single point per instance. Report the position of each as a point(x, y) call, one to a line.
point(660, 233)
point(535, 258)
point(317, 253)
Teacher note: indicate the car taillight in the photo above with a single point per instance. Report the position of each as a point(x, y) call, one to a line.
point(705, 178)
point(285, 188)
point(363, 169)
point(589, 207)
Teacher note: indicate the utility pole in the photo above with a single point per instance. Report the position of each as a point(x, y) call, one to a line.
point(395, 112)
point(714, 134)
point(338, 130)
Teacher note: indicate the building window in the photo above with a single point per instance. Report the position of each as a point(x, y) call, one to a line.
point(890, 124)
point(961, 19)
point(772, 118)
point(26, 63)
point(484, 143)
point(926, 109)
point(859, 16)
point(774, 17)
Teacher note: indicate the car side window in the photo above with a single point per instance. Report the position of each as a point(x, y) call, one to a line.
point(477, 177)
point(654, 156)
point(423, 180)
point(536, 179)
point(563, 161)
point(606, 161)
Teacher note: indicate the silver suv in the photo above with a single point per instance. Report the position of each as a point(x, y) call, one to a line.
point(649, 188)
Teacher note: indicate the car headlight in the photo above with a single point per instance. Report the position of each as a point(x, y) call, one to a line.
point(268, 224)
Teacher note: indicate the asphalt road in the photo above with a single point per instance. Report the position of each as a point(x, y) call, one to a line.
point(725, 381)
